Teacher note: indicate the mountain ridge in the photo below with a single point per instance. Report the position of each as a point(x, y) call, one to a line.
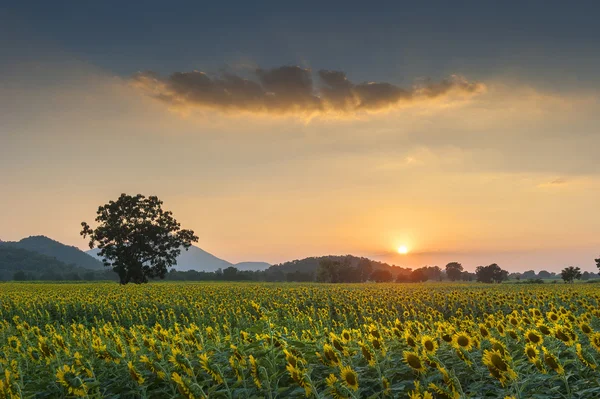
point(67, 254)
point(195, 258)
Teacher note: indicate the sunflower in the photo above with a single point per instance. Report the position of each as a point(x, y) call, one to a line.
point(534, 337)
point(463, 341)
point(346, 336)
point(410, 339)
point(182, 386)
point(532, 352)
point(206, 366)
point(552, 361)
point(429, 343)
point(579, 351)
point(336, 342)
point(367, 354)
point(414, 361)
point(483, 330)
point(496, 360)
point(387, 388)
point(595, 341)
point(135, 375)
point(553, 317)
point(330, 355)
point(331, 380)
point(68, 378)
point(500, 329)
point(290, 358)
point(564, 334)
point(462, 355)
point(299, 377)
point(544, 329)
point(254, 371)
point(513, 334)
point(585, 328)
point(349, 377)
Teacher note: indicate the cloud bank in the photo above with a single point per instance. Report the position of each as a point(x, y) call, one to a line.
point(291, 90)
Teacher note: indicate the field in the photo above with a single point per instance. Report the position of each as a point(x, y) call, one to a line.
point(294, 340)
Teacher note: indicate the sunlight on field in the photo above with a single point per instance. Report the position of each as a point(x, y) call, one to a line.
point(294, 340)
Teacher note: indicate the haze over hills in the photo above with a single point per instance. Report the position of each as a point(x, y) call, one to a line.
point(194, 259)
point(311, 264)
point(22, 264)
point(64, 253)
point(199, 260)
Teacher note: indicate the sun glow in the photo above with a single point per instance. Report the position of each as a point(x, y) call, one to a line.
point(402, 250)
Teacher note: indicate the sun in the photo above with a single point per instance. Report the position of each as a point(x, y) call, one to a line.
point(402, 250)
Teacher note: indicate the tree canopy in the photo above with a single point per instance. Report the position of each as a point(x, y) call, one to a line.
point(454, 271)
point(490, 274)
point(137, 238)
point(569, 274)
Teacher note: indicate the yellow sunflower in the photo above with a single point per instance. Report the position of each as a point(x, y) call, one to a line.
point(429, 343)
point(414, 361)
point(595, 340)
point(532, 352)
point(349, 377)
point(534, 337)
point(463, 341)
point(552, 361)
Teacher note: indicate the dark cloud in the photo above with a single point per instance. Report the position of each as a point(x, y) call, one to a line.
point(291, 90)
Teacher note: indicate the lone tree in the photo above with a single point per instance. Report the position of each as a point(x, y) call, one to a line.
point(569, 274)
point(137, 238)
point(454, 271)
point(597, 264)
point(491, 274)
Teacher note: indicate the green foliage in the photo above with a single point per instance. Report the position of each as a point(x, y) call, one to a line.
point(454, 271)
point(54, 249)
point(21, 264)
point(333, 268)
point(232, 340)
point(569, 274)
point(490, 274)
point(137, 238)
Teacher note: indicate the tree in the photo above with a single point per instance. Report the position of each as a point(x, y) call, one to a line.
point(454, 271)
point(381, 276)
point(528, 274)
point(230, 273)
point(364, 269)
point(419, 275)
point(20, 276)
point(570, 273)
point(137, 238)
point(328, 271)
point(490, 274)
point(545, 274)
point(597, 264)
point(433, 273)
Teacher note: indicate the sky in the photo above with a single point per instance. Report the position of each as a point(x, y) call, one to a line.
point(465, 131)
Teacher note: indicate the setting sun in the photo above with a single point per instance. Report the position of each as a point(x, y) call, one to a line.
point(403, 250)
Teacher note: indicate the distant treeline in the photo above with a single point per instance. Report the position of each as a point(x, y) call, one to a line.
point(23, 265)
point(20, 264)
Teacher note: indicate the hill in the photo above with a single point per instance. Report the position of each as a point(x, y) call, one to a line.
point(54, 249)
point(252, 266)
point(311, 264)
point(199, 260)
point(35, 266)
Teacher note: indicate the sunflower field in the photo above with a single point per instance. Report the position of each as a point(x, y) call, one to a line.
point(262, 340)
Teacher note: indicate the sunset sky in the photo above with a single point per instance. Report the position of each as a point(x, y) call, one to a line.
point(465, 131)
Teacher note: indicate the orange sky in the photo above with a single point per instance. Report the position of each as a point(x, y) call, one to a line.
point(453, 179)
point(275, 143)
